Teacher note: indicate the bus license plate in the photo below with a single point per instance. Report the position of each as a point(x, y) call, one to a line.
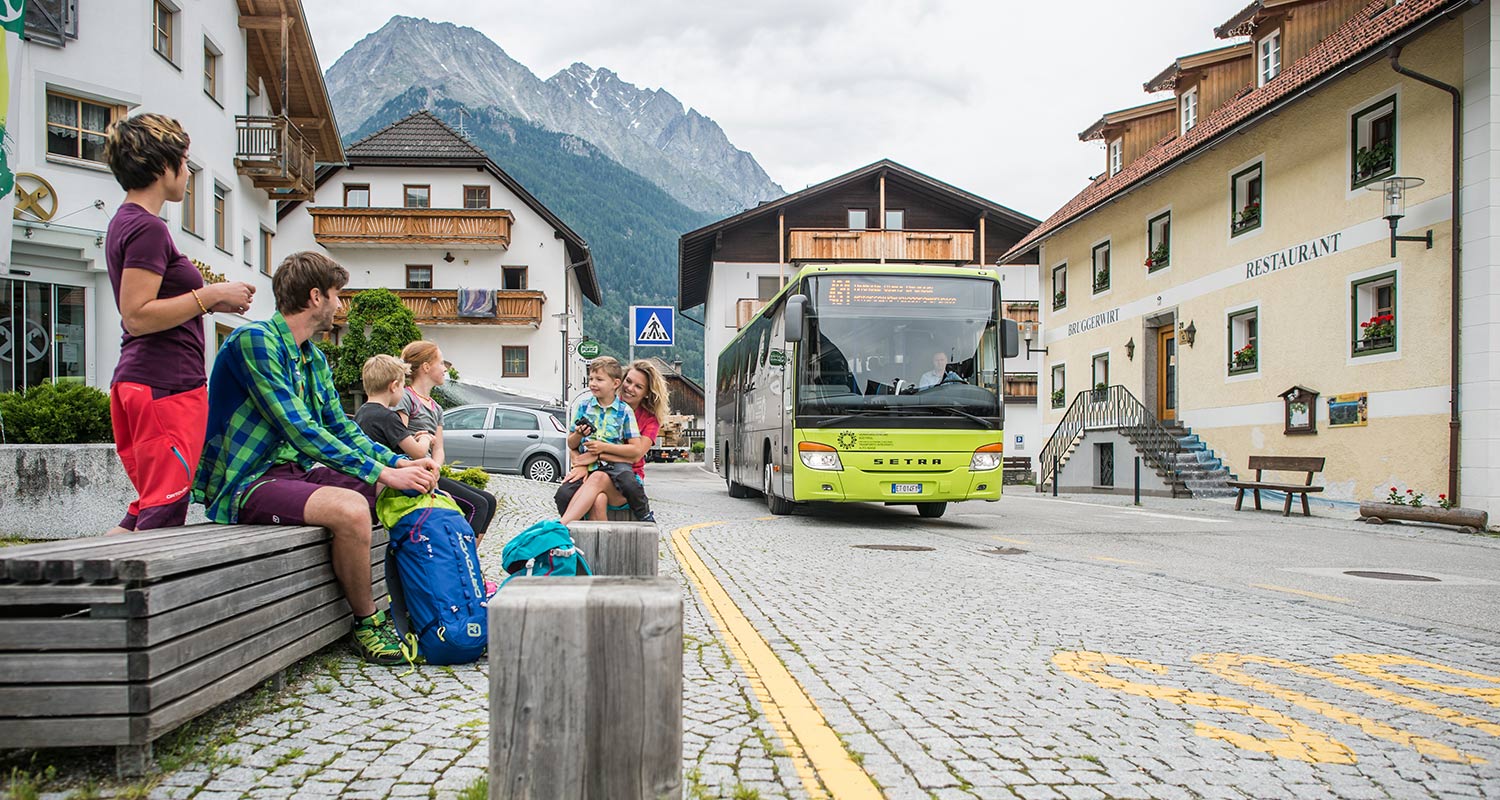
point(906, 488)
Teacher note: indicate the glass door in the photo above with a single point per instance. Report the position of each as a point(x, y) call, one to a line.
point(1166, 373)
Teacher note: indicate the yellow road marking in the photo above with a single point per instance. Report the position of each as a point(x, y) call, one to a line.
point(1121, 561)
point(1012, 541)
point(1378, 666)
point(1300, 742)
point(1314, 595)
point(1227, 666)
point(765, 519)
point(810, 740)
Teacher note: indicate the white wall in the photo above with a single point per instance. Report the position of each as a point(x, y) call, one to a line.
point(730, 283)
point(474, 349)
point(1479, 394)
point(112, 61)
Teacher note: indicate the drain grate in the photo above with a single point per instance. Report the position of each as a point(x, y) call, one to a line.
point(1003, 551)
point(1391, 576)
point(899, 548)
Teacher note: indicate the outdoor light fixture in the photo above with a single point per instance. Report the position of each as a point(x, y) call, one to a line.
point(1028, 332)
point(448, 257)
point(1393, 196)
point(1130, 348)
point(1188, 333)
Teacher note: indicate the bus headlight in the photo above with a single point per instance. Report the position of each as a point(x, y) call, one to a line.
point(987, 458)
point(819, 456)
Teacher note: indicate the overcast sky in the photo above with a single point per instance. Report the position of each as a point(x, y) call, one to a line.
point(988, 95)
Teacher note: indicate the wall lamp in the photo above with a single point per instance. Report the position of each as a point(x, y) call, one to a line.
point(1188, 333)
point(448, 257)
point(1393, 196)
point(1130, 349)
point(1028, 333)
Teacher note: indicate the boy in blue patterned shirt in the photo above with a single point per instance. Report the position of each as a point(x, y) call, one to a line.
point(607, 419)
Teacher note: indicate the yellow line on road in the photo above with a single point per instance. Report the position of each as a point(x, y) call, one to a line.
point(810, 740)
point(1314, 595)
point(1121, 561)
point(765, 519)
point(1012, 541)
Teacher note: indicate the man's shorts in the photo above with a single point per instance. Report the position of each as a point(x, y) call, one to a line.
point(280, 496)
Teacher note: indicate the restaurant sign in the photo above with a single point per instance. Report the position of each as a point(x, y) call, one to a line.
point(1292, 256)
point(1096, 321)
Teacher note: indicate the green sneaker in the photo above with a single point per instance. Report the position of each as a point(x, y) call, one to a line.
point(375, 640)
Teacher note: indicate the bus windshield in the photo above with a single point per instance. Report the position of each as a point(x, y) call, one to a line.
point(885, 346)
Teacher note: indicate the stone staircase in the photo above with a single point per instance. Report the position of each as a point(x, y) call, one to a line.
point(1199, 470)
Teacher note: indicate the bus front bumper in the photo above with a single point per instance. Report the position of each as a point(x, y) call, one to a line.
point(856, 486)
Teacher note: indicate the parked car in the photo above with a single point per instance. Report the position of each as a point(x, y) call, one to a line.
point(505, 438)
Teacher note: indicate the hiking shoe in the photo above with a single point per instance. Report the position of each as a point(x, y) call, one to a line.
point(649, 516)
point(375, 640)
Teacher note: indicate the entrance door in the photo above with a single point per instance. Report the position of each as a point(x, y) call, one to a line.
point(1166, 373)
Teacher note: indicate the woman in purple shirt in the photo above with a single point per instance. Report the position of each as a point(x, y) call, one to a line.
point(158, 400)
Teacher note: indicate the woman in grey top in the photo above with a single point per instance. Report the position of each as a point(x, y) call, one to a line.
point(425, 418)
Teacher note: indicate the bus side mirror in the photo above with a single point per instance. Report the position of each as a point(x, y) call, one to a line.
point(1010, 339)
point(796, 318)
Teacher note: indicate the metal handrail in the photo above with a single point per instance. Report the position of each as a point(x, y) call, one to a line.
point(1112, 407)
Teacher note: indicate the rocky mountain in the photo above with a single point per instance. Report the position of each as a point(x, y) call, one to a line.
point(648, 131)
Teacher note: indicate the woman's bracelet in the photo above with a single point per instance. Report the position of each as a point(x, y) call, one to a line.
point(201, 307)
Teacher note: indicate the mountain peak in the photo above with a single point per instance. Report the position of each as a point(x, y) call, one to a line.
point(646, 130)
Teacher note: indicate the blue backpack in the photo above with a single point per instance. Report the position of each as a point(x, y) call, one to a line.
point(545, 548)
point(433, 570)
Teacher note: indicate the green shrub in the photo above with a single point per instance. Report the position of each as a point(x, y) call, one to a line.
point(698, 447)
point(473, 476)
point(51, 413)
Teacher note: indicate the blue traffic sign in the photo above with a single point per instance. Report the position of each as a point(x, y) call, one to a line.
point(652, 326)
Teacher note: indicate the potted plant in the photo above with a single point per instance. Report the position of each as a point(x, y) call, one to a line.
point(1100, 392)
point(1101, 280)
point(1157, 257)
point(1409, 506)
point(1377, 332)
point(1243, 359)
point(1059, 298)
point(1057, 398)
point(1373, 160)
point(1249, 216)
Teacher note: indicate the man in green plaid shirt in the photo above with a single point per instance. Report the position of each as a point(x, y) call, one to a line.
point(281, 451)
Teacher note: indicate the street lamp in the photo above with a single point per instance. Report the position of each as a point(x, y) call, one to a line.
point(1393, 200)
point(562, 327)
point(1029, 332)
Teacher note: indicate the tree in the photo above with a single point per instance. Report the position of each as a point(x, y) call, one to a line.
point(378, 323)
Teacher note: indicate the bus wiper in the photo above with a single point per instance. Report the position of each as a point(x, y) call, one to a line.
point(872, 412)
point(958, 411)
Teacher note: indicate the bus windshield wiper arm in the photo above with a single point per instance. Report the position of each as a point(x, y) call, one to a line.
point(872, 412)
point(951, 410)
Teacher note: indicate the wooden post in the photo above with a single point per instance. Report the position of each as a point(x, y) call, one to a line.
point(781, 244)
point(983, 262)
point(881, 227)
point(286, 58)
point(586, 689)
point(132, 760)
point(618, 548)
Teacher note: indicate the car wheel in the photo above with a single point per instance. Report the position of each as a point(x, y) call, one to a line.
point(541, 468)
point(931, 510)
point(779, 506)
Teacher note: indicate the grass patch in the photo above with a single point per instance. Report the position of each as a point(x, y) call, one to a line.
point(695, 788)
point(478, 790)
point(23, 784)
point(743, 792)
point(322, 687)
point(9, 540)
point(288, 757)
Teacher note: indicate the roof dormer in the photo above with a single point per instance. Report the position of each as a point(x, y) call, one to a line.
point(1129, 132)
point(1282, 31)
point(1202, 82)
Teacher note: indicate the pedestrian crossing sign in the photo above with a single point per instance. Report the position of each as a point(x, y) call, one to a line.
point(652, 326)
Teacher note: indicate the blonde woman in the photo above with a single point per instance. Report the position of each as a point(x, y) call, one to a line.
point(424, 417)
point(584, 493)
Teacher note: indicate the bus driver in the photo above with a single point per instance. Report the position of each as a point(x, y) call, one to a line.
point(940, 372)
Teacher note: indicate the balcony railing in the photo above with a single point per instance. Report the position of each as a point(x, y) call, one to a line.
point(912, 245)
point(440, 307)
point(1020, 386)
point(275, 156)
point(454, 228)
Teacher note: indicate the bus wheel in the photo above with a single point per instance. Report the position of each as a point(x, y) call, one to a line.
point(931, 510)
point(779, 506)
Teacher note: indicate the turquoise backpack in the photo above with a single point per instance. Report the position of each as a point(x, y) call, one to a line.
point(544, 549)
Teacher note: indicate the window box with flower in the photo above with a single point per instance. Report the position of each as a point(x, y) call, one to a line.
point(1249, 217)
point(1377, 334)
point(1243, 360)
point(1373, 162)
point(1058, 398)
point(1059, 299)
point(1158, 258)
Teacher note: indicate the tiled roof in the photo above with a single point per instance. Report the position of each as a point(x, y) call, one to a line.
point(1374, 25)
point(421, 135)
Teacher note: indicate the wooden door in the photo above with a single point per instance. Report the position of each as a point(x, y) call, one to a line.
point(1166, 373)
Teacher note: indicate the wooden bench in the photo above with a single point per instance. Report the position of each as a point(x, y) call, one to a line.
point(118, 640)
point(1016, 469)
point(1306, 464)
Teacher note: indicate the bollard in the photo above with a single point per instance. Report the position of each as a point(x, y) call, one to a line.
point(586, 689)
point(1055, 477)
point(1137, 480)
point(618, 548)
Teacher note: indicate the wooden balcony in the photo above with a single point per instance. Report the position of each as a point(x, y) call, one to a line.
point(275, 156)
point(440, 307)
point(1020, 387)
point(452, 228)
point(913, 245)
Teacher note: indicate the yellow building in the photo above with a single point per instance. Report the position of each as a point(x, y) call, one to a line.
point(1231, 259)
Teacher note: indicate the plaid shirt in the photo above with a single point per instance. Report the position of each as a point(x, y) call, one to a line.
point(613, 424)
point(271, 402)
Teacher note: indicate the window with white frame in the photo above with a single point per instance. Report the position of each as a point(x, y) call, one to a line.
point(1101, 373)
point(1059, 286)
point(1059, 386)
point(1116, 156)
point(1159, 241)
point(1373, 327)
point(859, 219)
point(1268, 58)
point(1188, 106)
point(895, 219)
point(1101, 267)
point(1372, 143)
point(1245, 200)
point(1244, 341)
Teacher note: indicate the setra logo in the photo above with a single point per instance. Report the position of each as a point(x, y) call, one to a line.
point(908, 462)
point(847, 440)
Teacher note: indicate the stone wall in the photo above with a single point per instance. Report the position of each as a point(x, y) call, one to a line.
point(61, 491)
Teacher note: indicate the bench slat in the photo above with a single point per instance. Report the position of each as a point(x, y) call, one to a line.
point(71, 564)
point(1288, 463)
point(224, 546)
point(24, 562)
point(63, 634)
point(13, 595)
point(65, 731)
point(64, 667)
point(1295, 488)
point(176, 562)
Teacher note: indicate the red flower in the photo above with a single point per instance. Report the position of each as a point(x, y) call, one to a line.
point(1442, 497)
point(1408, 491)
point(1393, 488)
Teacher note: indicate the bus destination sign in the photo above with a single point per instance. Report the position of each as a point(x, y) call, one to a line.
point(889, 292)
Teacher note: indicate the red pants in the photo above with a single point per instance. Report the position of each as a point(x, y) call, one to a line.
point(159, 439)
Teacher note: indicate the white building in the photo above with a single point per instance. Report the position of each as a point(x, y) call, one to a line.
point(492, 276)
point(214, 65)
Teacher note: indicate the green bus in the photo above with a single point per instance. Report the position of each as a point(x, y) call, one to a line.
point(868, 383)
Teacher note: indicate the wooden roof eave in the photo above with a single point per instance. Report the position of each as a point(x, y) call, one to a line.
point(309, 106)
